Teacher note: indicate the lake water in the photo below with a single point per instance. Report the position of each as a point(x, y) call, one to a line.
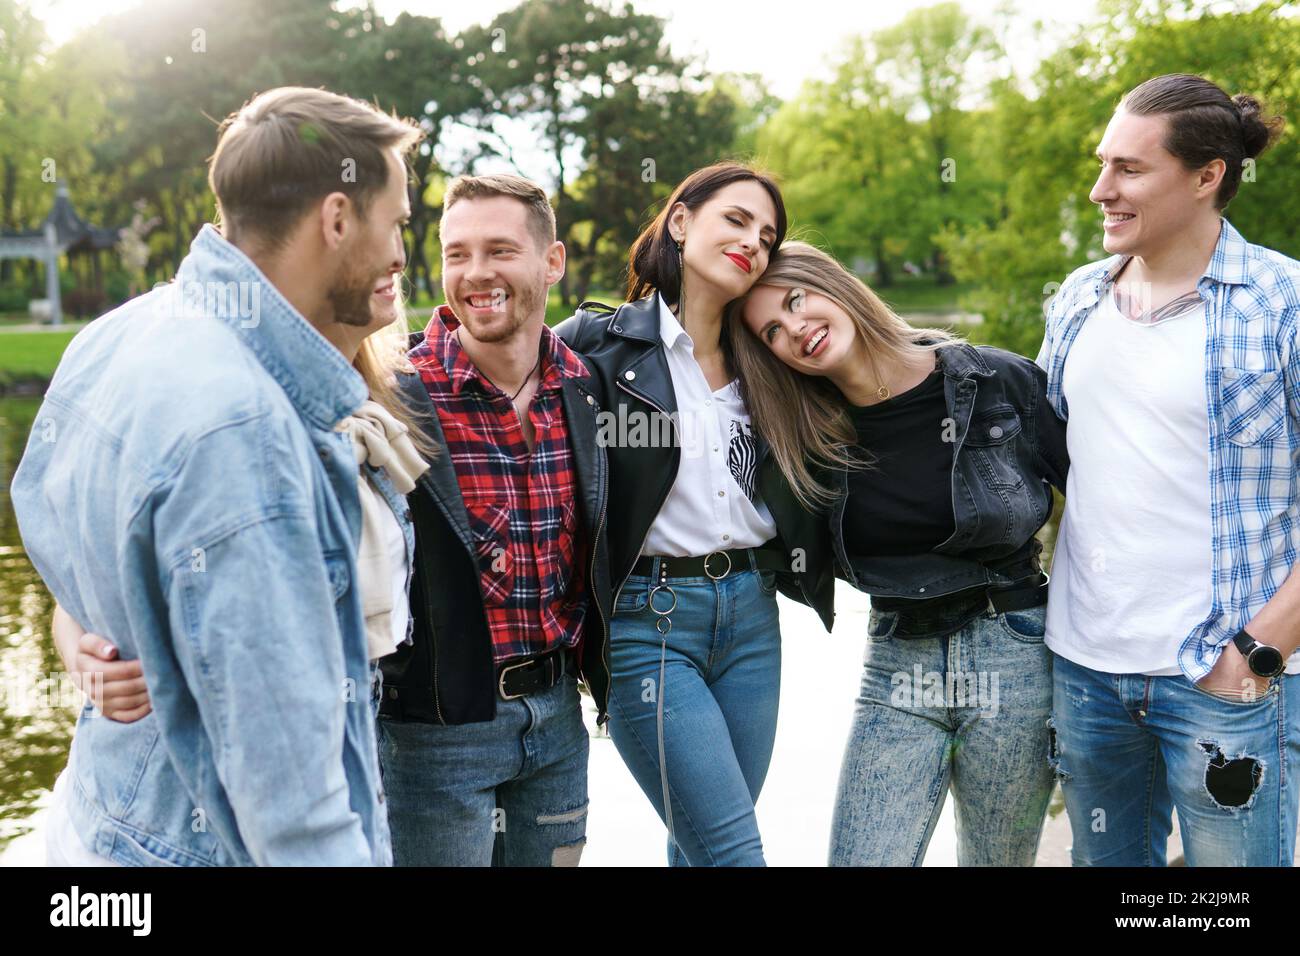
point(38, 708)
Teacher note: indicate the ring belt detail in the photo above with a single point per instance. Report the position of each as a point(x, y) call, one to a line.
point(716, 564)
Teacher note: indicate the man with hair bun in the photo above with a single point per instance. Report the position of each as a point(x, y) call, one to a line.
point(1174, 615)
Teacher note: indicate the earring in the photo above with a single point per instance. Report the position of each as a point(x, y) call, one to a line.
point(681, 289)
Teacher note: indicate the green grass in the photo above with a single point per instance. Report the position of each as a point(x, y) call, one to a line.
point(31, 355)
point(922, 294)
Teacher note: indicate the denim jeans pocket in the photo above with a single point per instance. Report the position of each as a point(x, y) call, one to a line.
point(633, 597)
point(1273, 690)
point(767, 581)
point(881, 625)
point(1028, 625)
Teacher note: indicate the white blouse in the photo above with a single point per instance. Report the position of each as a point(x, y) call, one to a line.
point(714, 504)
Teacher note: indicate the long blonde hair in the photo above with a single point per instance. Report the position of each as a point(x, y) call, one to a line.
point(380, 358)
point(805, 418)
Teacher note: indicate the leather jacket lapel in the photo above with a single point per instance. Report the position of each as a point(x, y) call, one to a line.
point(440, 480)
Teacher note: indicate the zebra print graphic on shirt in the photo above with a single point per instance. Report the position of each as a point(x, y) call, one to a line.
point(741, 456)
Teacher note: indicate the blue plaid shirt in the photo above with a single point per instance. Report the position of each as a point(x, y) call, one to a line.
point(1252, 388)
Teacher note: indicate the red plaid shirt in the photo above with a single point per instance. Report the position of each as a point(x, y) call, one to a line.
point(522, 505)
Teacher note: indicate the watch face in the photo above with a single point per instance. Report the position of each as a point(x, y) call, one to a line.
point(1266, 661)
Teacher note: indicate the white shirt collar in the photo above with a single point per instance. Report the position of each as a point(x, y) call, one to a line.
point(670, 330)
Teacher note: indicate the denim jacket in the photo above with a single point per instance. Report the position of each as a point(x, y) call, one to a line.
point(186, 494)
point(1009, 450)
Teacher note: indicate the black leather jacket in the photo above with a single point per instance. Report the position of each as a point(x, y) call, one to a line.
point(624, 351)
point(1010, 450)
point(447, 676)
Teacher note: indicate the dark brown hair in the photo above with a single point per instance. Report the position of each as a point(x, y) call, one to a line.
point(1206, 124)
point(288, 148)
point(653, 265)
point(541, 217)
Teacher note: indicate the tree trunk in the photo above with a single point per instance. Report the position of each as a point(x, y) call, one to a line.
point(7, 211)
point(884, 275)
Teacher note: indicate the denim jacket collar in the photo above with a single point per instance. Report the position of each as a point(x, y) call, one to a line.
point(318, 380)
point(961, 360)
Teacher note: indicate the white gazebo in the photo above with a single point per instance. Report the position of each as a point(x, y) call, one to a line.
point(63, 231)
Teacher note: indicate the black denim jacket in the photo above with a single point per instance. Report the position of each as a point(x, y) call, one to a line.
point(1009, 452)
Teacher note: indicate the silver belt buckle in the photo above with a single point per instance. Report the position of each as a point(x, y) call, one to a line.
point(717, 577)
point(501, 680)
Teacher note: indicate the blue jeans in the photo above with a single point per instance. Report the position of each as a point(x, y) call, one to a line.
point(721, 663)
point(511, 791)
point(1130, 748)
point(376, 688)
point(966, 712)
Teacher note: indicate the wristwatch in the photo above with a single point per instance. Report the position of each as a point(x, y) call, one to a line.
point(1264, 659)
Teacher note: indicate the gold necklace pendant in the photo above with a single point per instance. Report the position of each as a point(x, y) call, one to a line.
point(882, 393)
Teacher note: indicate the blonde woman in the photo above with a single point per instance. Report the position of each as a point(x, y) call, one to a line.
point(934, 461)
point(391, 453)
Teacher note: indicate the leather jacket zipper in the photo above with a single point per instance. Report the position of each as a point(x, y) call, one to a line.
point(662, 499)
point(433, 655)
point(604, 651)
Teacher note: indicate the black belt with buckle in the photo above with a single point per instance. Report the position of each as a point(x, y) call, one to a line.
point(715, 564)
point(520, 678)
point(1018, 598)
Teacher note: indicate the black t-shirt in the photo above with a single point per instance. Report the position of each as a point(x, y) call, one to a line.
point(902, 503)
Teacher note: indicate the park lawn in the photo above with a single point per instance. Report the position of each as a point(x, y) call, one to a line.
point(31, 355)
point(922, 294)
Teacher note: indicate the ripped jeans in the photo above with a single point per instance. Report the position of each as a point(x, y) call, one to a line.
point(1129, 748)
point(511, 791)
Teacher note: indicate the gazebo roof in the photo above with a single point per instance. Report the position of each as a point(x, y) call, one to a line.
point(72, 233)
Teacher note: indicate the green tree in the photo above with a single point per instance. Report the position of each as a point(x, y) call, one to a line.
point(414, 67)
point(928, 60)
point(1044, 144)
point(612, 108)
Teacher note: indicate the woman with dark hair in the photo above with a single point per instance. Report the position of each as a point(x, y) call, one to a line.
point(706, 529)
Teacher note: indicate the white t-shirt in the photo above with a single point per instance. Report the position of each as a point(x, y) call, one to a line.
point(387, 537)
point(1132, 572)
point(713, 505)
point(63, 845)
point(395, 546)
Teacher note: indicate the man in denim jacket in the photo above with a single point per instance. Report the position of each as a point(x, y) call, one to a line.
point(185, 494)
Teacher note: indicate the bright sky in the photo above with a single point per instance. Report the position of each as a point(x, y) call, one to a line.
point(787, 41)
